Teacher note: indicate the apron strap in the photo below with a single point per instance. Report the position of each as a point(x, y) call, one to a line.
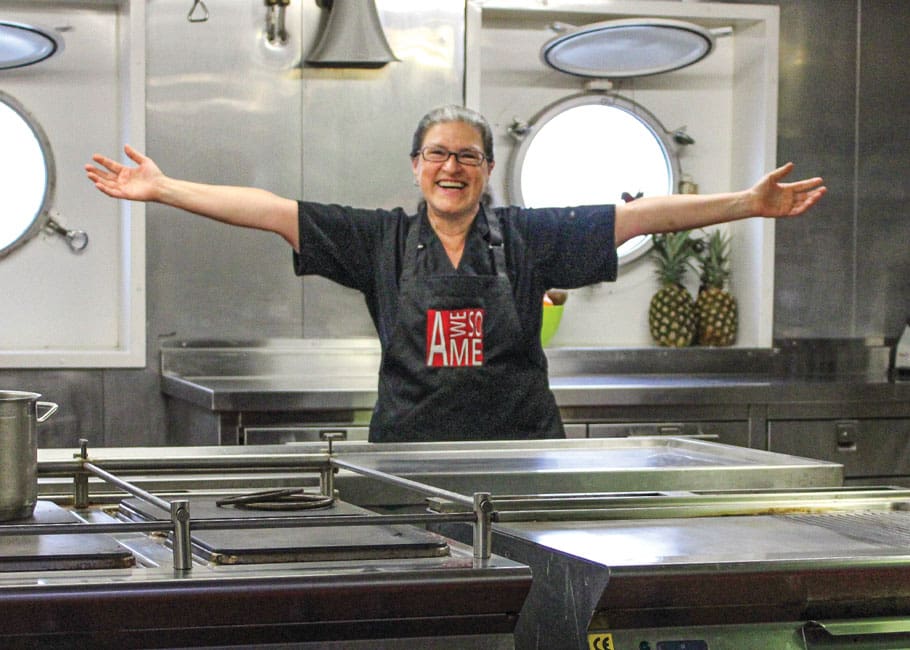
point(497, 250)
point(416, 242)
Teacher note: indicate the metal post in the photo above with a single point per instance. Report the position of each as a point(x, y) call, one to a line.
point(483, 526)
point(327, 481)
point(80, 478)
point(183, 553)
point(327, 473)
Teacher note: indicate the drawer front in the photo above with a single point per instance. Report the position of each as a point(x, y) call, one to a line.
point(731, 433)
point(267, 435)
point(865, 447)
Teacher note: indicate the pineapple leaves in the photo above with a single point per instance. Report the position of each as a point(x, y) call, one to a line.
point(674, 318)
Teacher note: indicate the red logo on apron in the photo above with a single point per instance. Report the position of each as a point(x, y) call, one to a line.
point(454, 337)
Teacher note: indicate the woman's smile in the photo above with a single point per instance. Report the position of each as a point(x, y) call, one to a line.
point(452, 190)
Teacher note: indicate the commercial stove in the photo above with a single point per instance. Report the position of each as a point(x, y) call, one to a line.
point(203, 550)
point(631, 544)
point(719, 570)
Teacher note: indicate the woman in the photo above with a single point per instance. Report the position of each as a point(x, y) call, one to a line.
point(455, 291)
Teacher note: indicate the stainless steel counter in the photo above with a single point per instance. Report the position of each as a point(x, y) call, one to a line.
point(292, 390)
point(499, 467)
point(305, 374)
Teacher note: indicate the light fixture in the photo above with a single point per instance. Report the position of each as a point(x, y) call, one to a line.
point(352, 38)
point(627, 48)
point(22, 45)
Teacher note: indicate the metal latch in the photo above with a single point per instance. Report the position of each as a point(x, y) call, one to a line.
point(77, 240)
point(845, 432)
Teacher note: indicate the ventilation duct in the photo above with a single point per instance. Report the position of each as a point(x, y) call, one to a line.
point(352, 38)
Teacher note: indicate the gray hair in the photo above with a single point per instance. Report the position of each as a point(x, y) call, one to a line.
point(453, 113)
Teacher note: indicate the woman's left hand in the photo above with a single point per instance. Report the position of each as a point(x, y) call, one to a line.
point(772, 198)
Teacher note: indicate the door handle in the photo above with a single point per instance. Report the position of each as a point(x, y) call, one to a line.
point(845, 434)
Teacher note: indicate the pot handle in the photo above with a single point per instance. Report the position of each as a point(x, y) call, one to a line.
point(51, 409)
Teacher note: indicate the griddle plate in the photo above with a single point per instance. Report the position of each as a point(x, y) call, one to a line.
point(60, 552)
point(323, 543)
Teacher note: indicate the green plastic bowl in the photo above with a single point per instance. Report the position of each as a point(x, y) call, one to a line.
point(552, 314)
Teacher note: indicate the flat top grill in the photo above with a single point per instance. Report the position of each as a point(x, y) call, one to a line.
point(60, 552)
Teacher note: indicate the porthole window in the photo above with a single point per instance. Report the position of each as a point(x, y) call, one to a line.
point(26, 175)
point(591, 150)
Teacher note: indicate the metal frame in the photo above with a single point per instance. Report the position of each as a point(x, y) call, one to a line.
point(40, 220)
point(526, 136)
point(181, 521)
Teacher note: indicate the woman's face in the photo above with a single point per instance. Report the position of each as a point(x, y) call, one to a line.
point(451, 189)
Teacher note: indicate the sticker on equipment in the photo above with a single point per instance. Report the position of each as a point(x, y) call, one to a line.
point(600, 641)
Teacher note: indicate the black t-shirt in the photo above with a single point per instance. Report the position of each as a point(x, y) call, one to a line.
point(545, 248)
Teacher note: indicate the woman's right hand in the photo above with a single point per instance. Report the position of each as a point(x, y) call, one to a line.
point(140, 183)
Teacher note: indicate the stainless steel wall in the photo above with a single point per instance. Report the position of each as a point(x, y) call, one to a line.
point(843, 112)
point(223, 109)
point(357, 127)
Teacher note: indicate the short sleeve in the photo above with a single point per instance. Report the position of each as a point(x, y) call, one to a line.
point(572, 247)
point(338, 243)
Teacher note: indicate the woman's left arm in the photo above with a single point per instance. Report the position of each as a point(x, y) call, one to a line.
point(768, 198)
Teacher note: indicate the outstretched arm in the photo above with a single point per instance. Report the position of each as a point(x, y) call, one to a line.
point(239, 206)
point(768, 198)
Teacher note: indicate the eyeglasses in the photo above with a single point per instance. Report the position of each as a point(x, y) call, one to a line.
point(465, 156)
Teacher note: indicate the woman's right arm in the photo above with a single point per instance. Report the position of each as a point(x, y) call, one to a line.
point(239, 206)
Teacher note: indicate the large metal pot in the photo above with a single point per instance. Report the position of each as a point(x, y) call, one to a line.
point(19, 451)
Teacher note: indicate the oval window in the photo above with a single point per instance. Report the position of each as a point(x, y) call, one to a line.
point(593, 150)
point(26, 175)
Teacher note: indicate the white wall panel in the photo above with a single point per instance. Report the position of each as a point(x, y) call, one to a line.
point(61, 309)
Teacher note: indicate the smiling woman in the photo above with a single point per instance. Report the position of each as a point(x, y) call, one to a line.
point(26, 175)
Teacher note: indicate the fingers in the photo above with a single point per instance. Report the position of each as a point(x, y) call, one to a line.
point(105, 165)
point(797, 186)
point(112, 165)
point(781, 172)
point(808, 200)
point(106, 187)
point(805, 185)
point(134, 155)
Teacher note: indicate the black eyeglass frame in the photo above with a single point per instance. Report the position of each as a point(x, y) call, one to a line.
point(448, 154)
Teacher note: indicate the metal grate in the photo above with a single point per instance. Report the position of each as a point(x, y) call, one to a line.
point(889, 528)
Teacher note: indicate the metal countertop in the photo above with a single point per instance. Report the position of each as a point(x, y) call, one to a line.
point(294, 393)
point(319, 374)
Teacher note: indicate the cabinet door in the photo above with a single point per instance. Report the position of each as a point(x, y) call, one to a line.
point(730, 433)
point(865, 447)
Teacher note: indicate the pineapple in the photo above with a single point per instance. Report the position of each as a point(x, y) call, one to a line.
point(671, 315)
point(715, 307)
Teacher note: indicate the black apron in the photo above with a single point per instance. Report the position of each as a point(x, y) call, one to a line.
point(458, 366)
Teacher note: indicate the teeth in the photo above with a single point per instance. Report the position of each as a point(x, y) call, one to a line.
point(451, 185)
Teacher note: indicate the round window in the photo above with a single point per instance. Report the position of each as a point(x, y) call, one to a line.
point(26, 175)
point(593, 150)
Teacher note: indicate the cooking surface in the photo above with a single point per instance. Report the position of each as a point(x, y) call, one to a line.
point(626, 456)
point(727, 543)
point(296, 545)
point(574, 466)
point(55, 552)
